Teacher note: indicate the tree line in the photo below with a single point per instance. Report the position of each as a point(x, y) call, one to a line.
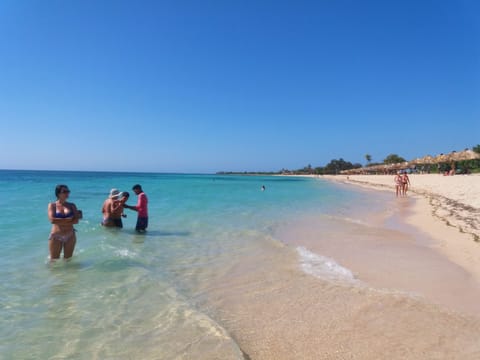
point(335, 166)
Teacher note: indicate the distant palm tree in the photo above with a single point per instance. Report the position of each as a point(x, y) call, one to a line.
point(368, 157)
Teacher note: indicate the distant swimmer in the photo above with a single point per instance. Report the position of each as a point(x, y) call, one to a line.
point(263, 187)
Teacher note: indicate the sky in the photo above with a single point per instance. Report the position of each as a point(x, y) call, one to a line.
point(251, 85)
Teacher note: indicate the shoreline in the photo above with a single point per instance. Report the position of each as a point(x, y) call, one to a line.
point(446, 208)
point(418, 282)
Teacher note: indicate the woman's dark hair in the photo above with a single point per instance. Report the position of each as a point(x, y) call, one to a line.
point(59, 188)
point(126, 194)
point(137, 186)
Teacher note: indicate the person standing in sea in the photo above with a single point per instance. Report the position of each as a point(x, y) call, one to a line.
point(123, 199)
point(112, 210)
point(63, 215)
point(141, 208)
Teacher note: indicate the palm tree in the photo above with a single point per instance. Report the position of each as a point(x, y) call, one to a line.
point(368, 157)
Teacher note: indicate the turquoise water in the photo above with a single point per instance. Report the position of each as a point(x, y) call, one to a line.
point(126, 295)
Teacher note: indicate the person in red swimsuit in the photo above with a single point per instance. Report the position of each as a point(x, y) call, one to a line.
point(141, 208)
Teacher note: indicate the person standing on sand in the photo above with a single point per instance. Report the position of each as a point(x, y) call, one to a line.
point(141, 208)
point(405, 183)
point(63, 215)
point(398, 183)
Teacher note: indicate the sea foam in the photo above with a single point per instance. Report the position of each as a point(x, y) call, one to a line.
point(323, 267)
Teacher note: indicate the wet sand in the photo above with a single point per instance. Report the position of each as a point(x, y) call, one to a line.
point(414, 291)
point(275, 311)
point(446, 208)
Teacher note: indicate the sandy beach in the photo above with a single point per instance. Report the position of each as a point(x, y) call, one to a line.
point(447, 208)
point(415, 289)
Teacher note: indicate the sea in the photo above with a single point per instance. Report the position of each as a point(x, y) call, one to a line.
point(126, 295)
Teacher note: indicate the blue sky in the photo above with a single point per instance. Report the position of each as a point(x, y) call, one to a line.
point(204, 86)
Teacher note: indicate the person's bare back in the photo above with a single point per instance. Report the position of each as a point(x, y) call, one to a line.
point(108, 211)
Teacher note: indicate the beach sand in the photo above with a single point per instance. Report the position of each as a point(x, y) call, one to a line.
point(415, 291)
point(447, 208)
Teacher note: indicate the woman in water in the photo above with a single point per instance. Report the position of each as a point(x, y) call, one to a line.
point(63, 215)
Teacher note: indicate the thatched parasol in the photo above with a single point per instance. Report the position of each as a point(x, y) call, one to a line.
point(396, 166)
point(442, 158)
point(466, 154)
point(417, 161)
point(427, 159)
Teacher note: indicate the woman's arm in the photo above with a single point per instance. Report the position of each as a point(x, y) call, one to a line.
point(77, 215)
point(58, 221)
point(116, 205)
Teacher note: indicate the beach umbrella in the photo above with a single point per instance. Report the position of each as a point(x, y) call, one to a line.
point(382, 168)
point(466, 154)
point(427, 159)
point(399, 166)
point(442, 158)
point(417, 161)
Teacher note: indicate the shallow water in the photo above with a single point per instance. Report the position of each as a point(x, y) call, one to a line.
point(125, 295)
point(349, 288)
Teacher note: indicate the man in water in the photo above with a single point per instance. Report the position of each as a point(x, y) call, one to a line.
point(141, 208)
point(112, 210)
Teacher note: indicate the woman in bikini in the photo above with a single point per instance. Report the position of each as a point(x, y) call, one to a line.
point(63, 215)
point(398, 183)
point(406, 183)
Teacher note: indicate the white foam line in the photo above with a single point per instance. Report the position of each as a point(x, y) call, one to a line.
point(125, 253)
point(323, 267)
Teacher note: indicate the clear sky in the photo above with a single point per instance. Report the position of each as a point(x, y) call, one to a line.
point(245, 85)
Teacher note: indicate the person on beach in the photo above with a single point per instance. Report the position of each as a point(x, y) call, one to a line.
point(398, 183)
point(112, 210)
point(63, 215)
point(141, 208)
point(405, 183)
